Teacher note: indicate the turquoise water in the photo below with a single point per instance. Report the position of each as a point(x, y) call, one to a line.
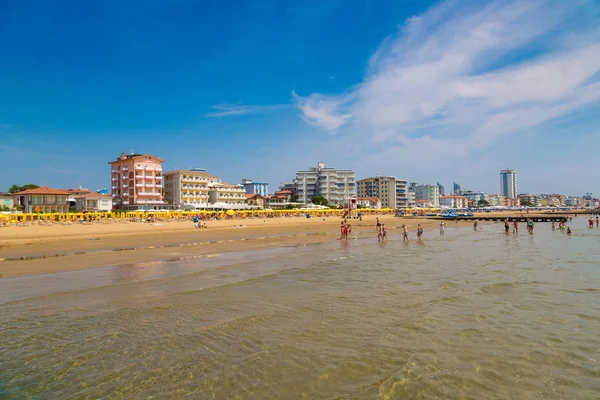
point(472, 315)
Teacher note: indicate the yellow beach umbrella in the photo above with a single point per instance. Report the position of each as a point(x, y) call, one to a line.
point(230, 212)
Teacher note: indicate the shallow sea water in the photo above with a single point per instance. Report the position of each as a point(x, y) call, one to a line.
point(471, 315)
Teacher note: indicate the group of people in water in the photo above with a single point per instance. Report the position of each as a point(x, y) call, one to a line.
point(346, 229)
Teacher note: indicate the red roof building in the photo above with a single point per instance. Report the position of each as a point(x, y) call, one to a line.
point(43, 199)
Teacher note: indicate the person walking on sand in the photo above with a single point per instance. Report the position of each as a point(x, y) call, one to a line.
point(195, 219)
point(420, 232)
point(442, 224)
point(404, 234)
point(516, 227)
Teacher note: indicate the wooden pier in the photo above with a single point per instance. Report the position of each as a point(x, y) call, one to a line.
point(534, 218)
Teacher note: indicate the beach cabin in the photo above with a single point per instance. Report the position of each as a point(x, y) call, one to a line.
point(42, 199)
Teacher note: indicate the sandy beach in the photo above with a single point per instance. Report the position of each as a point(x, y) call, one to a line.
point(40, 249)
point(48, 249)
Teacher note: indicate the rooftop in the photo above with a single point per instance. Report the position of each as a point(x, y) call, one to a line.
point(43, 190)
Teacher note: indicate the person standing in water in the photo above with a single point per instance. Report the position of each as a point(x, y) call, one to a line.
point(404, 234)
point(442, 224)
point(420, 232)
point(378, 225)
point(553, 226)
point(474, 225)
point(383, 232)
point(516, 227)
point(591, 222)
point(530, 226)
point(597, 222)
point(506, 226)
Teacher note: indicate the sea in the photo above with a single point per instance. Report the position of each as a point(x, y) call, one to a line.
point(468, 315)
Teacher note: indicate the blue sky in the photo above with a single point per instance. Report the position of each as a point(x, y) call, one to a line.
point(427, 91)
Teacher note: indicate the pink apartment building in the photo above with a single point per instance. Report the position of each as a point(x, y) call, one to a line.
point(137, 182)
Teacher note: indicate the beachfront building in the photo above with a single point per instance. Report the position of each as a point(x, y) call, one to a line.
point(6, 201)
point(256, 200)
point(226, 196)
point(42, 199)
point(337, 186)
point(391, 192)
point(92, 202)
point(137, 182)
point(508, 183)
point(368, 202)
point(453, 201)
point(533, 200)
point(188, 189)
point(252, 187)
point(411, 201)
point(473, 197)
point(426, 193)
point(572, 201)
point(496, 200)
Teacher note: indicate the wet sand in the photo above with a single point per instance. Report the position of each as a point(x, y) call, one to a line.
point(48, 249)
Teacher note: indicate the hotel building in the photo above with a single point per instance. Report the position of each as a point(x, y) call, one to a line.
point(453, 201)
point(336, 185)
point(252, 187)
point(137, 182)
point(428, 193)
point(227, 195)
point(392, 192)
point(188, 188)
point(197, 189)
point(508, 183)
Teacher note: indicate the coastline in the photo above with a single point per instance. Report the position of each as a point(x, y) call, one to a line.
point(49, 249)
point(37, 250)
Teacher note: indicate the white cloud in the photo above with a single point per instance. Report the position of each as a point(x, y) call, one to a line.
point(469, 74)
point(321, 111)
point(228, 110)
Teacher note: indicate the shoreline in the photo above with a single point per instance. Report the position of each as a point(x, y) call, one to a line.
point(42, 250)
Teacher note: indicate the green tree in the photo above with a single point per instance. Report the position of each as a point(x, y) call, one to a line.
point(526, 203)
point(483, 203)
point(17, 188)
point(319, 200)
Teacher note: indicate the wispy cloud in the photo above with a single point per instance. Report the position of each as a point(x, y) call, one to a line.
point(229, 110)
point(469, 74)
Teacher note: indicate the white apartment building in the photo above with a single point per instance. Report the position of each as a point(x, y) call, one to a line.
point(453, 201)
point(337, 186)
point(429, 193)
point(226, 195)
point(188, 188)
point(508, 183)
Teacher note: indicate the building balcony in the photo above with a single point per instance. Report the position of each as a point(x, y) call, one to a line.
point(114, 178)
point(115, 171)
point(148, 194)
point(125, 169)
point(139, 185)
point(139, 176)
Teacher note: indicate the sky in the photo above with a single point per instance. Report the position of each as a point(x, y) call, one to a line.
point(450, 91)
